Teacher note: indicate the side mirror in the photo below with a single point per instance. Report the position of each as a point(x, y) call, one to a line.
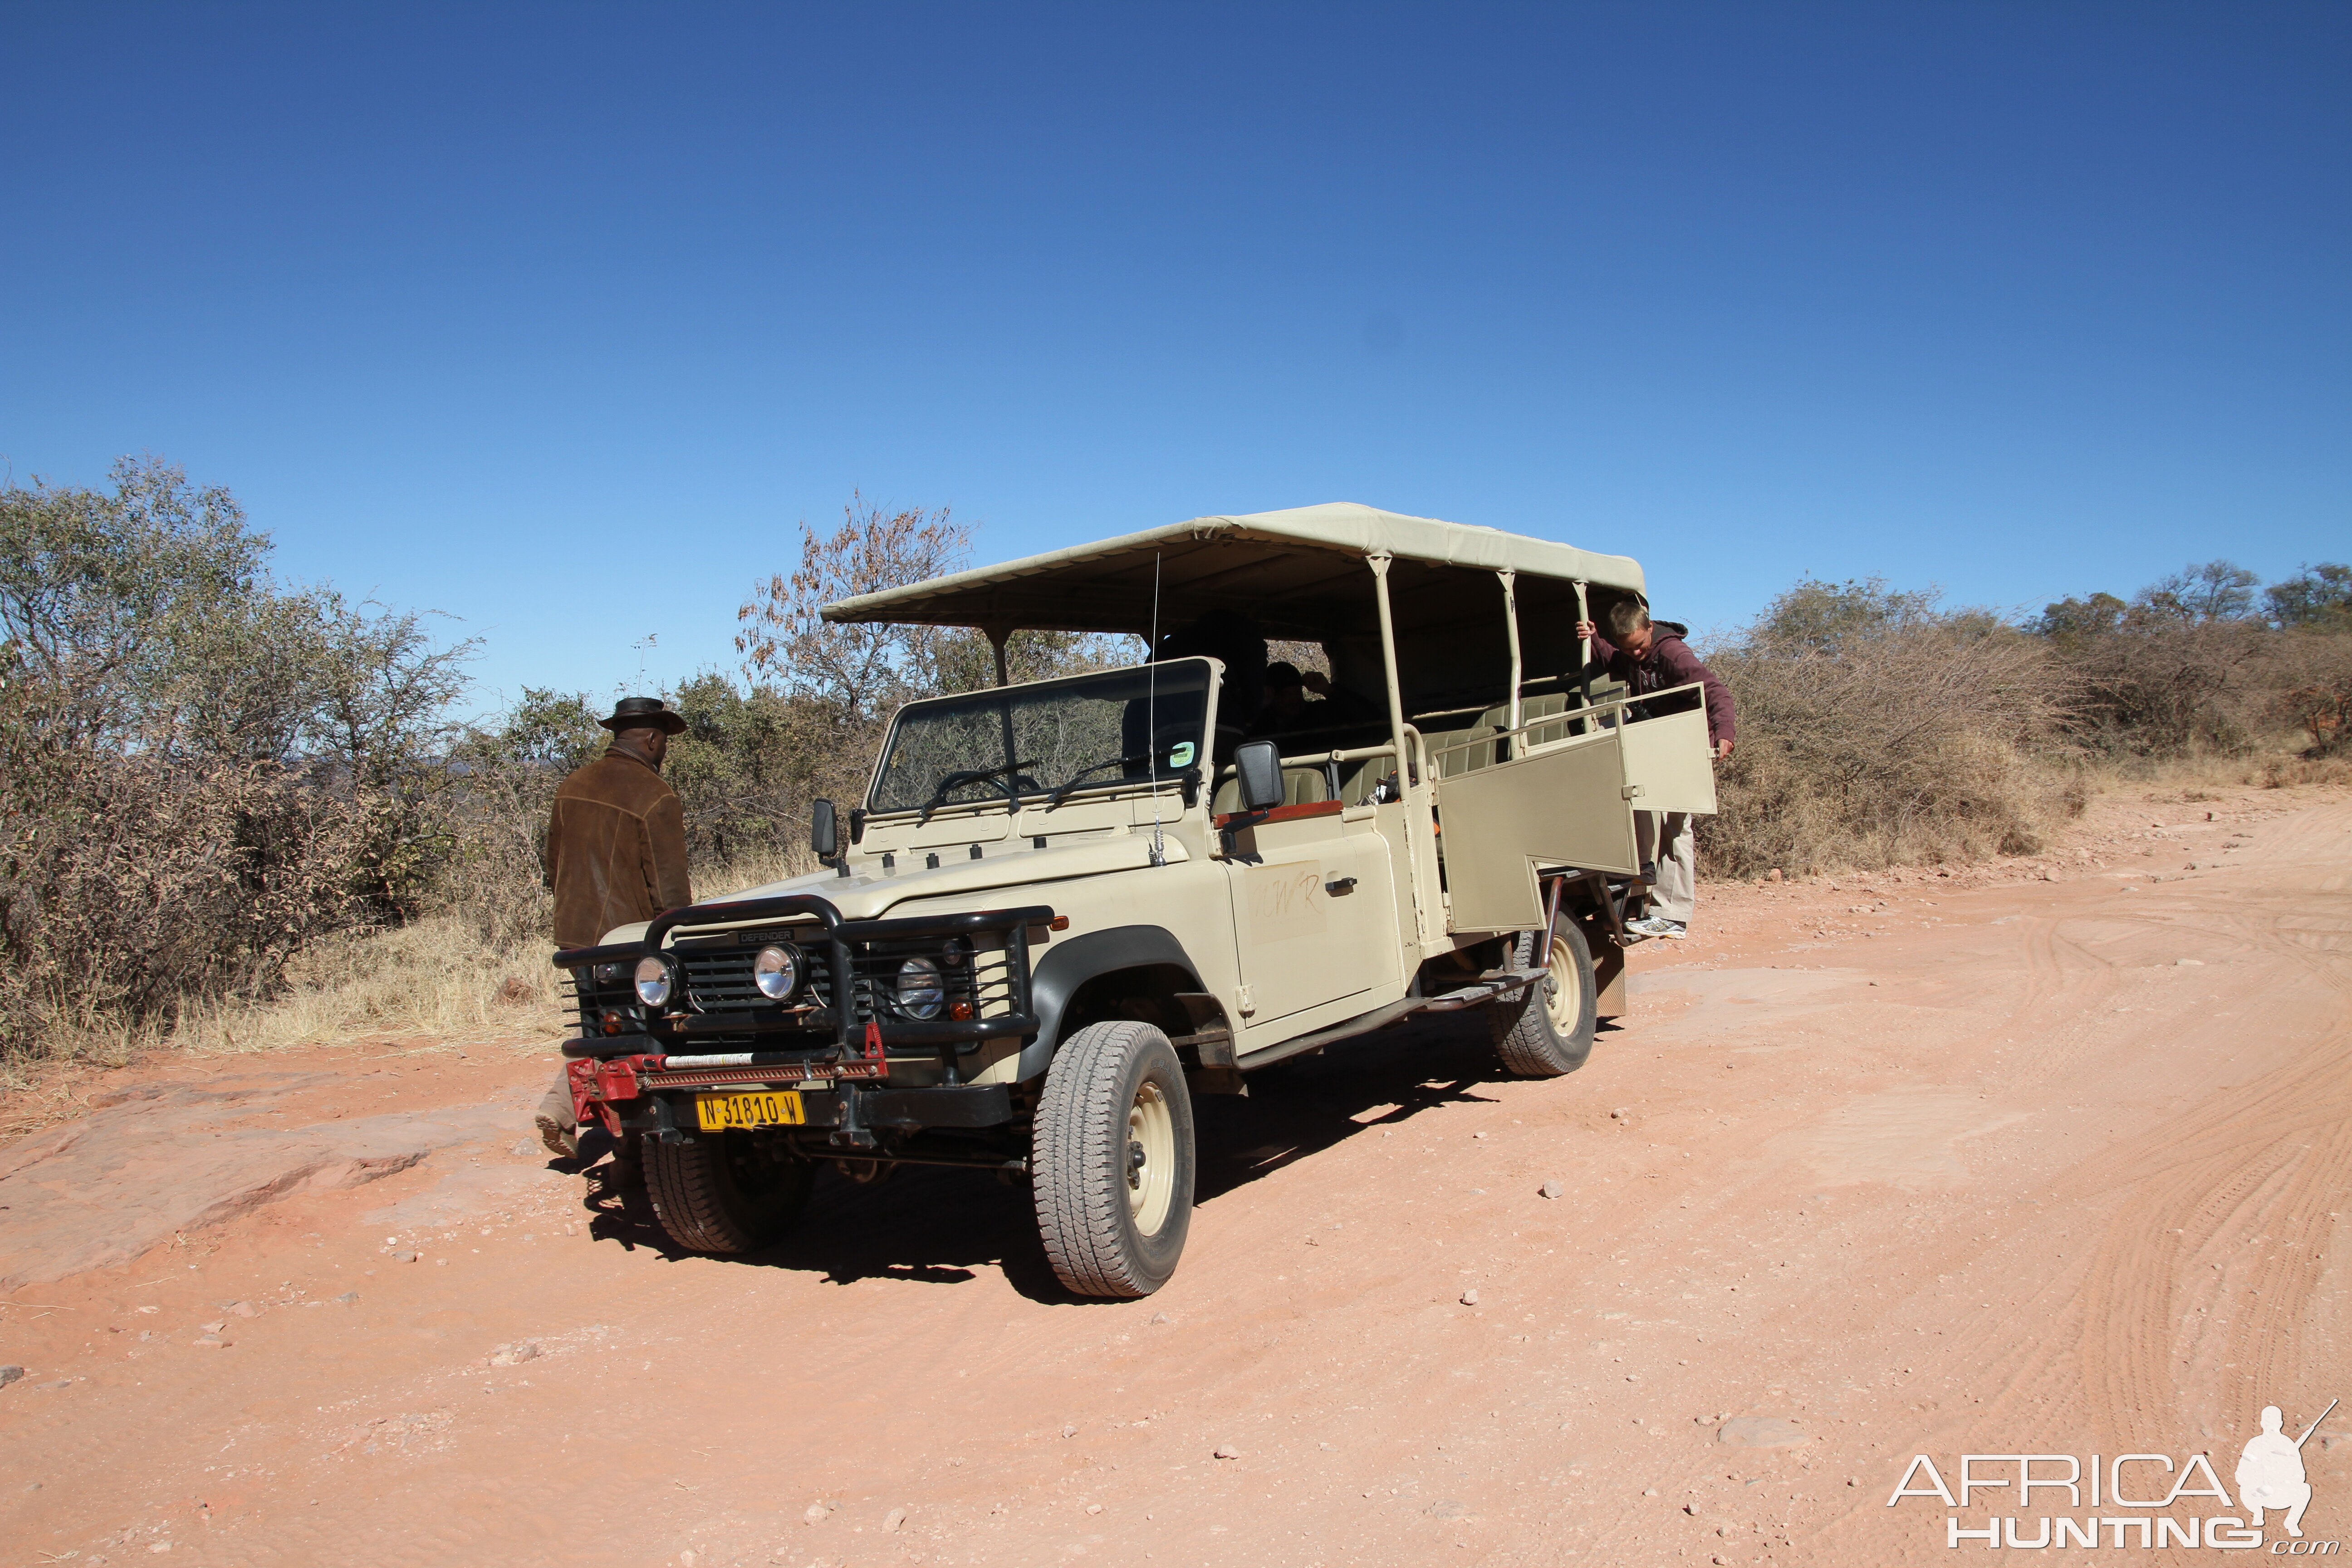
point(825, 832)
point(1257, 773)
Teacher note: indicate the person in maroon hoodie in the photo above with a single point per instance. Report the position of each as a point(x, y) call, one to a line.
point(1651, 655)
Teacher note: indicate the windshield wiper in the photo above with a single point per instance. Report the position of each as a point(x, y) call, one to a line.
point(963, 776)
point(1067, 784)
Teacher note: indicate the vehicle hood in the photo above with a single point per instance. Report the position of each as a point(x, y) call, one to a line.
point(1030, 873)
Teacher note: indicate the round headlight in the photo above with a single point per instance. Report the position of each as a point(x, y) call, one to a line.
point(920, 992)
point(653, 981)
point(776, 971)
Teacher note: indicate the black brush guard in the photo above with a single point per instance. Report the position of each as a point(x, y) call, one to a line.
point(851, 1033)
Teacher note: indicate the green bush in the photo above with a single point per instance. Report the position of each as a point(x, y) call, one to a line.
point(200, 771)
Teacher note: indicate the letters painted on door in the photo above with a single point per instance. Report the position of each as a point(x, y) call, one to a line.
point(1315, 916)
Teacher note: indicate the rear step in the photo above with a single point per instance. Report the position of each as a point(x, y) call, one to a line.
point(1484, 991)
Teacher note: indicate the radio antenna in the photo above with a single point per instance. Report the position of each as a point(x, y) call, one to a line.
point(1151, 715)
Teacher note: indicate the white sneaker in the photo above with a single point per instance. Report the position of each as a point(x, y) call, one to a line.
point(1654, 925)
point(1674, 930)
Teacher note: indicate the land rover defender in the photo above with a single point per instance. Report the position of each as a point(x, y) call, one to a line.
point(1066, 908)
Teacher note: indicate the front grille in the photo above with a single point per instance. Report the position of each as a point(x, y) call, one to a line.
point(719, 975)
point(717, 982)
point(983, 980)
point(729, 1044)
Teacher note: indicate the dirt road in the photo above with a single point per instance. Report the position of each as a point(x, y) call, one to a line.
point(2050, 1162)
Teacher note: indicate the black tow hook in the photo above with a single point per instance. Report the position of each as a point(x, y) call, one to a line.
point(852, 1132)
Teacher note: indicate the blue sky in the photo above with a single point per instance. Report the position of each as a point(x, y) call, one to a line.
point(558, 320)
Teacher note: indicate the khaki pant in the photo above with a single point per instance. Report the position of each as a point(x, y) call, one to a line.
point(1664, 836)
point(555, 1106)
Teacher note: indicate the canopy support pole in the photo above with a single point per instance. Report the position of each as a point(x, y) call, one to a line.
point(1511, 624)
point(1379, 563)
point(997, 637)
point(1583, 657)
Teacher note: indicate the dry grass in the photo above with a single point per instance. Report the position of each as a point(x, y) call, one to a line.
point(440, 976)
point(2285, 772)
point(444, 975)
point(434, 976)
point(454, 976)
point(434, 980)
point(2013, 805)
point(1935, 740)
point(2277, 763)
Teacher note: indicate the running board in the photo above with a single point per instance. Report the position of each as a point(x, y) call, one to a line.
point(1363, 1023)
point(1486, 990)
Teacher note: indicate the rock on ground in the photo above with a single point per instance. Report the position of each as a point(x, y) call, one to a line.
point(1761, 1432)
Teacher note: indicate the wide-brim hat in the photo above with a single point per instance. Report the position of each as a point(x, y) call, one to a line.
point(643, 713)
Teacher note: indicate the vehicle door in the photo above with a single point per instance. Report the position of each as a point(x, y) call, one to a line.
point(1313, 910)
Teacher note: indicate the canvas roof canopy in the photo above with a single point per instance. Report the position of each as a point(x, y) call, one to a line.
point(1298, 573)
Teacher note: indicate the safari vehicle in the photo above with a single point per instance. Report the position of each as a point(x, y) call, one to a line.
point(1065, 907)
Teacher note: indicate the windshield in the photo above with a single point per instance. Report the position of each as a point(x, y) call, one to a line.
point(1090, 731)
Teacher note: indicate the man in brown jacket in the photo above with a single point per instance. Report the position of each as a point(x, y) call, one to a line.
point(615, 855)
point(616, 843)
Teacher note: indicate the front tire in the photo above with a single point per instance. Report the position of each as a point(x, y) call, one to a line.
point(1547, 1029)
point(1112, 1161)
point(725, 1192)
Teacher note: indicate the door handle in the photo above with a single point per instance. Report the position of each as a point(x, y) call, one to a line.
point(1339, 885)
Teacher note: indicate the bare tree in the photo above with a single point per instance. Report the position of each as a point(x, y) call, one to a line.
point(823, 690)
point(855, 671)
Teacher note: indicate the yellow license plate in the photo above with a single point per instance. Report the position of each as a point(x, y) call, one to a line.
point(769, 1108)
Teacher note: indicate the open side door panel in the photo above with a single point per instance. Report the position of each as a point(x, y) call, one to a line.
point(1668, 761)
point(1563, 805)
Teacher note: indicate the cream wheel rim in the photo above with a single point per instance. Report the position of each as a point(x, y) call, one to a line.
point(1563, 990)
point(1150, 1159)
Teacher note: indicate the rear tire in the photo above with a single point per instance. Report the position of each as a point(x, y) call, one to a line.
point(725, 1193)
point(1547, 1029)
point(1112, 1161)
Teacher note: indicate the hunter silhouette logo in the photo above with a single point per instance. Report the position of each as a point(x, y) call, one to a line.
point(2149, 1501)
point(2270, 1472)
